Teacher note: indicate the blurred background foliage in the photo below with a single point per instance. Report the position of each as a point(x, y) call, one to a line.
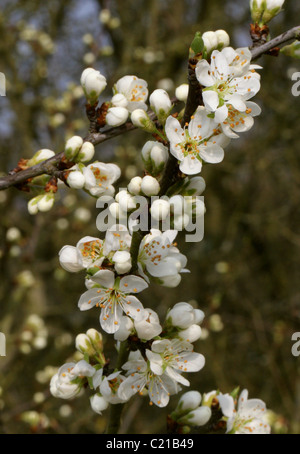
point(244, 274)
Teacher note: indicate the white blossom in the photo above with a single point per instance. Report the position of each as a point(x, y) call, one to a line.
point(237, 121)
point(159, 257)
point(87, 253)
point(100, 177)
point(117, 238)
point(62, 383)
point(248, 418)
point(113, 296)
point(108, 386)
point(134, 90)
point(229, 80)
point(183, 315)
point(194, 144)
point(173, 357)
point(140, 375)
point(147, 324)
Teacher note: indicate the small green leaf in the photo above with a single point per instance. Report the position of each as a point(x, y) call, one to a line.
point(197, 44)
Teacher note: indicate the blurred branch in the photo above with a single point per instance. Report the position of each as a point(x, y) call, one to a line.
point(51, 166)
point(293, 33)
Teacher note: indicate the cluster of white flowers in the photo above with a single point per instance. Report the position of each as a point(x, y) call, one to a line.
point(116, 272)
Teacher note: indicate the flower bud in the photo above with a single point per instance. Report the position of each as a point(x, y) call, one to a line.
point(119, 100)
point(182, 92)
point(160, 209)
point(180, 222)
point(190, 334)
point(40, 156)
point(126, 201)
point(183, 315)
point(72, 147)
point(70, 259)
point(86, 153)
point(141, 119)
point(115, 210)
point(195, 186)
point(134, 186)
point(96, 339)
point(93, 83)
point(150, 186)
point(41, 203)
point(198, 417)
point(98, 404)
point(188, 401)
point(116, 116)
point(210, 40)
point(122, 261)
point(171, 281)
point(223, 39)
point(76, 179)
point(83, 344)
point(161, 104)
point(155, 156)
point(263, 11)
point(292, 50)
point(147, 325)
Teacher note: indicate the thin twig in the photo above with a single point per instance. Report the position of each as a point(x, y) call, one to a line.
point(294, 33)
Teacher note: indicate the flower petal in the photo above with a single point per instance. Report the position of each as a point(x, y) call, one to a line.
point(190, 166)
point(211, 100)
point(174, 130)
point(212, 153)
point(132, 284)
point(89, 299)
point(105, 278)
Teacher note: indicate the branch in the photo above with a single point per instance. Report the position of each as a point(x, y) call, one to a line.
point(294, 33)
point(51, 166)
